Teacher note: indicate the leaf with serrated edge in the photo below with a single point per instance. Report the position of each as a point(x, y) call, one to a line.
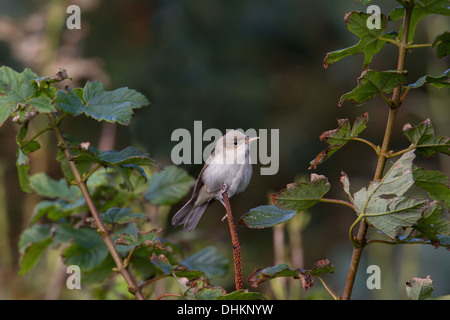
point(373, 82)
point(339, 137)
point(421, 9)
point(434, 182)
point(424, 140)
point(370, 42)
point(302, 195)
point(383, 204)
point(112, 106)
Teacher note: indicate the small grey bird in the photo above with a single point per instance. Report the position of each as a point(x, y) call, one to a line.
point(228, 166)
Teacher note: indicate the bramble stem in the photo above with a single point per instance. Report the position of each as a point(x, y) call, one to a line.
point(235, 241)
point(393, 109)
point(102, 230)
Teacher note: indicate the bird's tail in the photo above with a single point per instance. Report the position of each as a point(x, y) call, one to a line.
point(189, 215)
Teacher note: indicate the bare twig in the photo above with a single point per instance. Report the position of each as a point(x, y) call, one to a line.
point(235, 241)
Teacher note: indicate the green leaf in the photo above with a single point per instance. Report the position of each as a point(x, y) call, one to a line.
point(372, 82)
point(45, 186)
point(266, 216)
point(23, 150)
point(431, 226)
point(168, 186)
point(370, 43)
point(17, 92)
point(209, 261)
point(434, 182)
point(241, 295)
point(32, 254)
point(112, 106)
point(439, 82)
point(200, 289)
point(423, 138)
point(283, 270)
point(339, 137)
point(419, 288)
point(302, 195)
point(32, 243)
point(383, 204)
point(421, 9)
point(127, 156)
point(442, 44)
point(88, 249)
point(121, 216)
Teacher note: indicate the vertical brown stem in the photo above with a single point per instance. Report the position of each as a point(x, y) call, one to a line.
point(396, 102)
point(102, 230)
point(236, 244)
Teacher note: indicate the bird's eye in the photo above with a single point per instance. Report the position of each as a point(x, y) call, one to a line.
point(235, 141)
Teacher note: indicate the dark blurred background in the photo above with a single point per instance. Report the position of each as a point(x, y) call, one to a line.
point(230, 64)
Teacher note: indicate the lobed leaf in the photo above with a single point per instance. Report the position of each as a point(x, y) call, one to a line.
point(434, 182)
point(423, 138)
point(302, 195)
point(373, 82)
point(93, 101)
point(420, 10)
point(383, 203)
point(18, 92)
point(265, 217)
point(339, 137)
point(370, 43)
point(431, 226)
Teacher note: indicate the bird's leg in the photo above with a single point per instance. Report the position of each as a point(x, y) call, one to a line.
point(222, 190)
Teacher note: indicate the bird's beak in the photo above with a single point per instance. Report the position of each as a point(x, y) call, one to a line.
point(252, 139)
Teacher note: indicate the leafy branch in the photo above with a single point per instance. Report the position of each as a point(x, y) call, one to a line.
point(384, 204)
